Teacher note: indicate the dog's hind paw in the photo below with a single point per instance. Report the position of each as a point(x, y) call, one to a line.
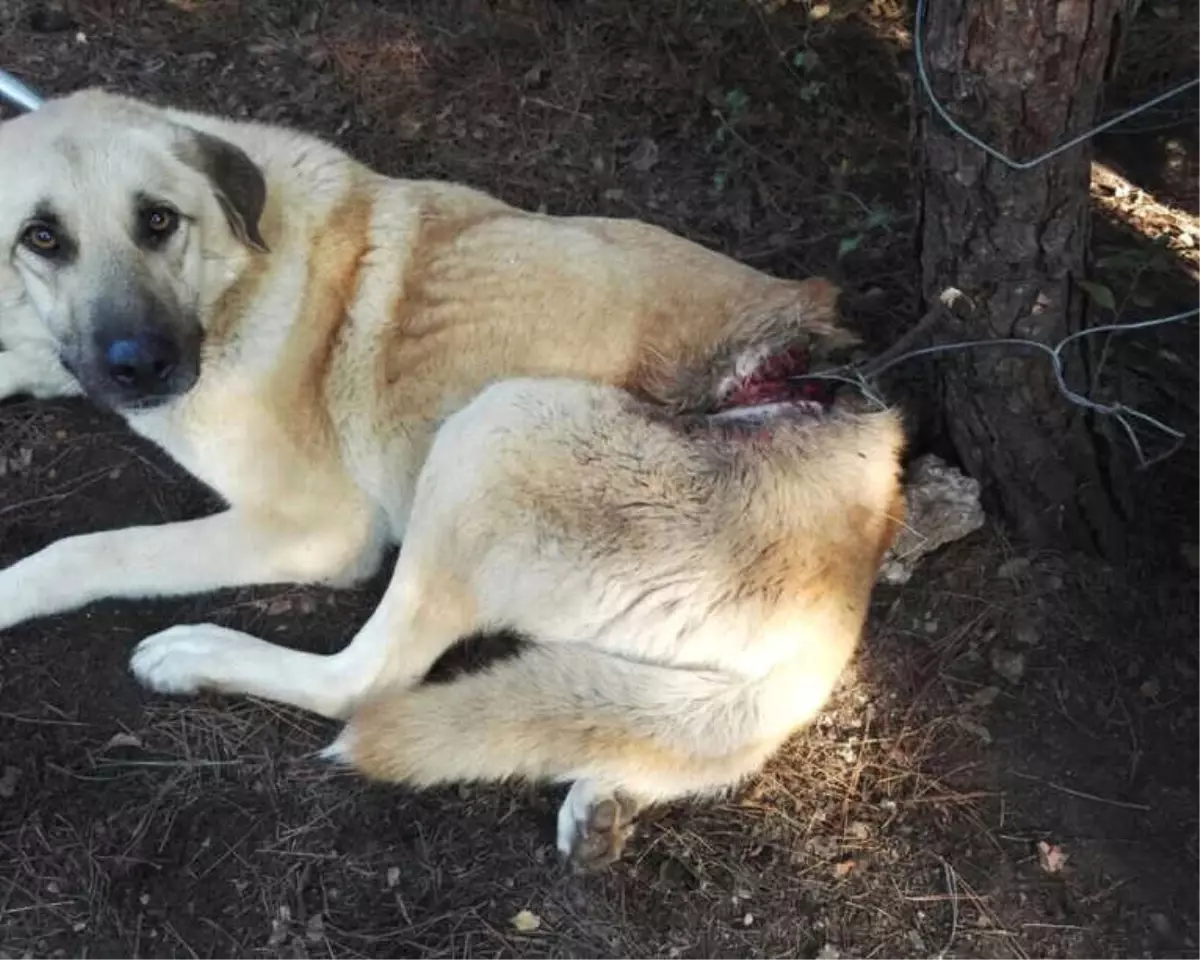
point(594, 825)
point(186, 659)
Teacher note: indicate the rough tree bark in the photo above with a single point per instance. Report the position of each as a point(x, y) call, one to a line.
point(1023, 75)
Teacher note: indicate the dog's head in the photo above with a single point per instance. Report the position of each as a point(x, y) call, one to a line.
point(117, 220)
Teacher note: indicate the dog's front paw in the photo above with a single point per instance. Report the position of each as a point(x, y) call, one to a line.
point(36, 373)
point(186, 659)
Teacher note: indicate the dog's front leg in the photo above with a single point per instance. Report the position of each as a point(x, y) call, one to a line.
point(229, 549)
point(421, 616)
point(34, 372)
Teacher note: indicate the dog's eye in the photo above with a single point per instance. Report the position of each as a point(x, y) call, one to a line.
point(41, 239)
point(161, 222)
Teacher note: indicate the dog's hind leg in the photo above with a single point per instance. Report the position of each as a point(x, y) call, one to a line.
point(594, 824)
point(625, 733)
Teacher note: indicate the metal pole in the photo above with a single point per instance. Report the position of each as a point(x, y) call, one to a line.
point(17, 93)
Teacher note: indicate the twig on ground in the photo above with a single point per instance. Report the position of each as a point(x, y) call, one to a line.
point(1083, 795)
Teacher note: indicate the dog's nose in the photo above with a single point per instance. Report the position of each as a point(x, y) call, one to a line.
point(142, 363)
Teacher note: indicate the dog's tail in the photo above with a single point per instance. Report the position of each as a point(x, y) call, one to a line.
point(784, 315)
point(569, 711)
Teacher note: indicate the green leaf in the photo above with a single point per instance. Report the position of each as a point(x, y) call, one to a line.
point(848, 245)
point(1100, 294)
point(806, 60)
point(736, 102)
point(879, 217)
point(811, 90)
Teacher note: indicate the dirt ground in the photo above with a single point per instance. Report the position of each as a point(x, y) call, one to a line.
point(1011, 769)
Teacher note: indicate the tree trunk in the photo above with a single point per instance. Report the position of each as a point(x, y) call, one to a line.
point(1023, 75)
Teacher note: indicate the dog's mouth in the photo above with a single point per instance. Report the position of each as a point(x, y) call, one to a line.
point(777, 379)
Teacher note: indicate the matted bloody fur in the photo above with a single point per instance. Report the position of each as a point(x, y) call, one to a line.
point(528, 403)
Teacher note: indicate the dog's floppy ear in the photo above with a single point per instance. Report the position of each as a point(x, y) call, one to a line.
point(236, 180)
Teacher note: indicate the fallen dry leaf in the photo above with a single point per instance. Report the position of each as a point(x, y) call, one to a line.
point(857, 830)
point(974, 727)
point(644, 156)
point(1009, 664)
point(1014, 568)
point(983, 697)
point(1051, 858)
point(526, 921)
point(842, 870)
point(8, 782)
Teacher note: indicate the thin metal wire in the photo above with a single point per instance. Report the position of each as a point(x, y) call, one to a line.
point(867, 382)
point(927, 86)
point(1117, 411)
point(856, 379)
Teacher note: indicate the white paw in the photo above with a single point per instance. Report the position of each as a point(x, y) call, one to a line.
point(573, 815)
point(340, 752)
point(187, 658)
point(594, 824)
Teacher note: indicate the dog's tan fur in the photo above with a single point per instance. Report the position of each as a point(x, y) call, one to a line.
point(716, 569)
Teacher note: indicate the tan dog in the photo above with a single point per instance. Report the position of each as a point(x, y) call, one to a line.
point(294, 329)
